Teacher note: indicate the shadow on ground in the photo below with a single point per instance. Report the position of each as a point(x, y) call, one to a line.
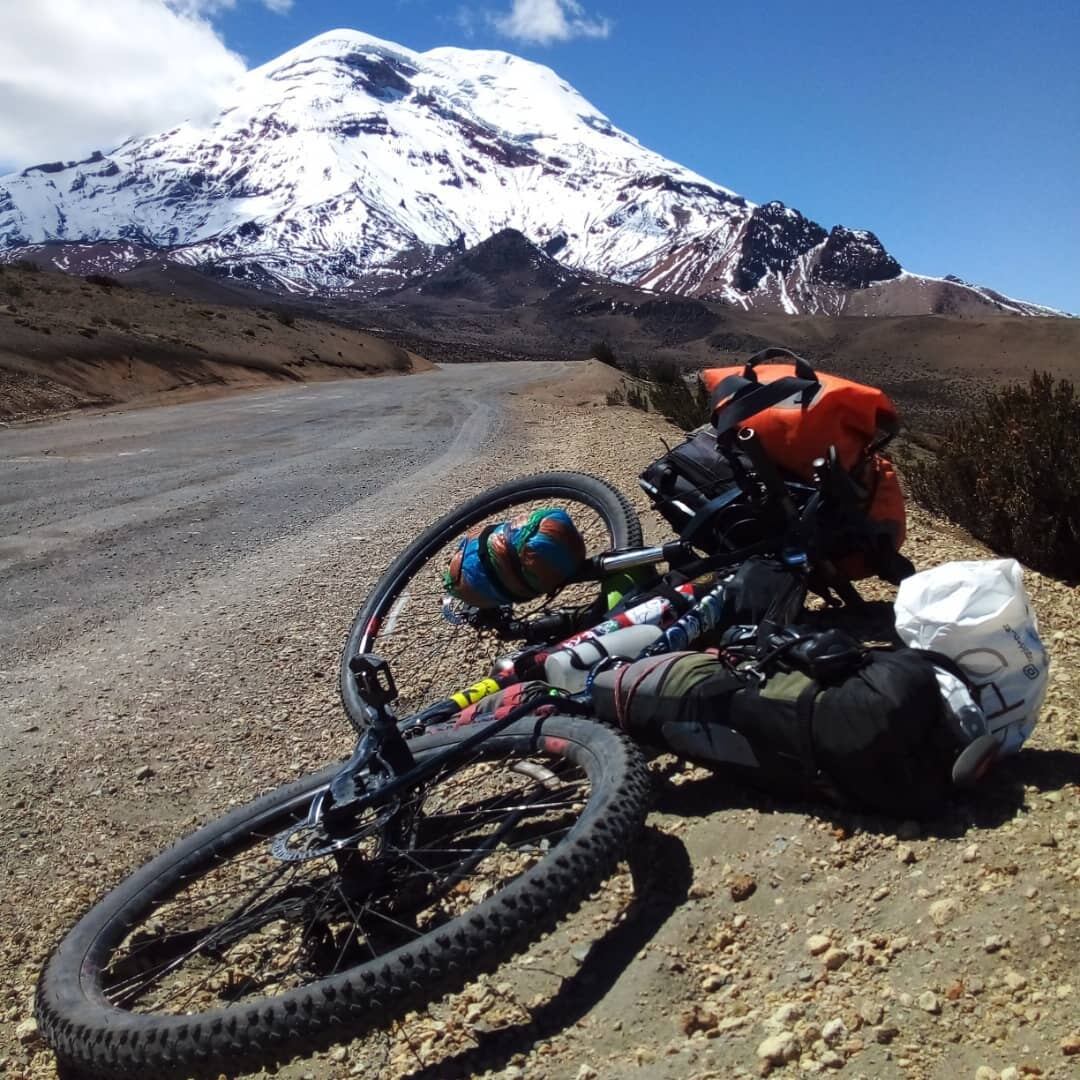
point(662, 874)
point(995, 802)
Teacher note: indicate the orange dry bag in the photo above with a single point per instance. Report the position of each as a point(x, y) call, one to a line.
point(797, 412)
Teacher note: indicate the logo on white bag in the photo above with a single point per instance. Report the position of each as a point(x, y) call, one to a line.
point(1031, 671)
point(1028, 654)
point(981, 670)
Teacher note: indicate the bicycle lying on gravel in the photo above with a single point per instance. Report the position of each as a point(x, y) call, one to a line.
point(336, 903)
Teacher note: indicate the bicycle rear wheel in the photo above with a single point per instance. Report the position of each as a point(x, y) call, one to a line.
point(230, 950)
point(404, 619)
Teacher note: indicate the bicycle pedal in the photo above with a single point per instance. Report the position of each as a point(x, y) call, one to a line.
point(374, 680)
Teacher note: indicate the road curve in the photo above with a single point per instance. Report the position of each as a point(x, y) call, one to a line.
point(102, 514)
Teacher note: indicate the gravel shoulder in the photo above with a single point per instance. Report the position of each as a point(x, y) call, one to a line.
point(866, 946)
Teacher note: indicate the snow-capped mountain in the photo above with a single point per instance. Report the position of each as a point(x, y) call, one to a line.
point(353, 163)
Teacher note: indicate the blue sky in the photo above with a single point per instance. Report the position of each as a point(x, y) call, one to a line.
point(951, 129)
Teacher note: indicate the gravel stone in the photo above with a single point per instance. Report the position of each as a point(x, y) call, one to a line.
point(779, 1049)
point(835, 959)
point(743, 887)
point(27, 1032)
point(871, 1012)
point(834, 1031)
point(944, 911)
point(928, 1002)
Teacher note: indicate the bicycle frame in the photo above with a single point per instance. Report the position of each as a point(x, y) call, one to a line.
point(382, 755)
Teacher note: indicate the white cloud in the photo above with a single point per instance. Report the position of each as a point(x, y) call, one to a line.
point(212, 7)
point(82, 75)
point(542, 22)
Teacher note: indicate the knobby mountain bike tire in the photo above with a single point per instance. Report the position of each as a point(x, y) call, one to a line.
point(106, 971)
point(621, 529)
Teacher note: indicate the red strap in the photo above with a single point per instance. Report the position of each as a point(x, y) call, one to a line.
point(622, 706)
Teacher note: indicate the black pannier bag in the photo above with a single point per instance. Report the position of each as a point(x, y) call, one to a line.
point(698, 491)
point(871, 733)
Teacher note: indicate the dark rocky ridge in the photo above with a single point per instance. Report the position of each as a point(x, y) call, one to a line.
point(775, 237)
point(853, 259)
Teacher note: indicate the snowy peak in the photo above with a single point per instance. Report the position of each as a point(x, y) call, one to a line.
point(351, 165)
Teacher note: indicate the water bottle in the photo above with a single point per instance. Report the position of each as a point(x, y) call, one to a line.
point(568, 668)
point(697, 622)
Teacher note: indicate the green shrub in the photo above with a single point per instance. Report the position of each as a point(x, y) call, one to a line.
point(602, 351)
point(663, 386)
point(399, 360)
point(683, 402)
point(675, 392)
point(1010, 474)
point(104, 281)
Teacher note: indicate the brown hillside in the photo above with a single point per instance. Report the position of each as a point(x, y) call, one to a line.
point(67, 342)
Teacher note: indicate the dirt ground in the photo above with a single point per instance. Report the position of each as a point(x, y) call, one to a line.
point(68, 343)
point(747, 936)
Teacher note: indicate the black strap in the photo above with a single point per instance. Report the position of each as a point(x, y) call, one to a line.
point(802, 367)
point(704, 515)
point(783, 609)
point(746, 398)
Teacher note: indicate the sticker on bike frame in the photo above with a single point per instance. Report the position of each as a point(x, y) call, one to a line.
point(472, 694)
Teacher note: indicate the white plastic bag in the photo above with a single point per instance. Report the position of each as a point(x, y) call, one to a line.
point(978, 614)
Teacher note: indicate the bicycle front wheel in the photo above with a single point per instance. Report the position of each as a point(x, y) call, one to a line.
point(404, 619)
point(251, 941)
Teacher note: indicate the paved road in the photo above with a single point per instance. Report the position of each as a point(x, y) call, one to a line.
point(101, 514)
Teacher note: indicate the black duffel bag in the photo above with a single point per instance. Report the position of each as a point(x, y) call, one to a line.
point(869, 730)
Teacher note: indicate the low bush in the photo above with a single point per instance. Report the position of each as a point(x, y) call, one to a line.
point(664, 386)
point(399, 361)
point(105, 281)
point(602, 351)
point(1009, 473)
